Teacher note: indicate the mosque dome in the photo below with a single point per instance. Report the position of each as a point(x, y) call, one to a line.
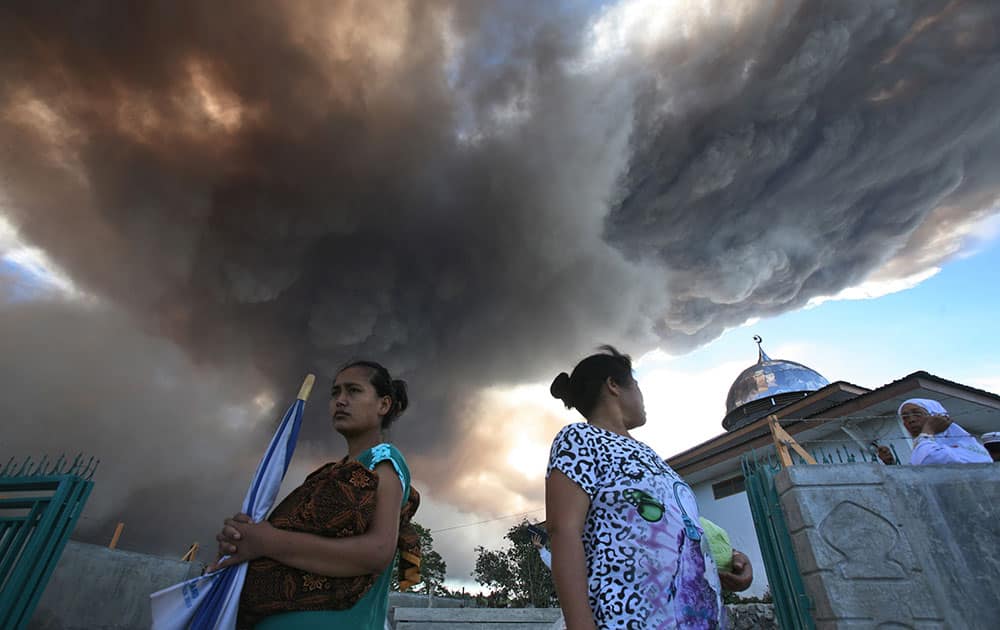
point(767, 385)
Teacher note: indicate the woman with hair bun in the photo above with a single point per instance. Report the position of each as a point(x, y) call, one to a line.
point(323, 558)
point(628, 550)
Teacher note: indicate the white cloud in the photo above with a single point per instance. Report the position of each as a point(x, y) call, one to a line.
point(684, 408)
point(8, 235)
point(43, 273)
point(914, 265)
point(33, 266)
point(981, 234)
point(871, 289)
point(636, 28)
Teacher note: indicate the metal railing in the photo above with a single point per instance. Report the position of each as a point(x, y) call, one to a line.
point(40, 503)
point(792, 606)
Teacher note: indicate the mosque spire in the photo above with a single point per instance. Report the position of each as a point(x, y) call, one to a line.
point(761, 355)
point(767, 385)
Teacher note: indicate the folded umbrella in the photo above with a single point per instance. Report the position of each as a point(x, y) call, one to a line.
point(210, 602)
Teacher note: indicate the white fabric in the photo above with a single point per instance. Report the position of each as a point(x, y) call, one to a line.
point(932, 407)
point(174, 607)
point(991, 438)
point(546, 556)
point(954, 445)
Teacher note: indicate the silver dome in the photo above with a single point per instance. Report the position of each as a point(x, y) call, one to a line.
point(769, 378)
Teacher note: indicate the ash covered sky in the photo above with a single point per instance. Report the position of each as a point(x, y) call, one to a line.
point(474, 193)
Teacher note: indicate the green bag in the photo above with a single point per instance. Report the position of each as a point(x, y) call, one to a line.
point(718, 544)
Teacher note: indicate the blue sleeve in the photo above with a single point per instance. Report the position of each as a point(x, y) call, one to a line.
point(387, 452)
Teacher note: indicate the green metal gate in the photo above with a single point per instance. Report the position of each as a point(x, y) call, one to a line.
point(792, 606)
point(39, 506)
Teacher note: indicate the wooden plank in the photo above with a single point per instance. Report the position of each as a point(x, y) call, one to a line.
point(782, 440)
point(192, 552)
point(779, 444)
point(803, 453)
point(114, 537)
point(478, 615)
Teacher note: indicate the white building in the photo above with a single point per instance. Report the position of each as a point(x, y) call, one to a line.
point(836, 422)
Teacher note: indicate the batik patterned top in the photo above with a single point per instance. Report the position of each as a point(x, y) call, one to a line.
point(648, 564)
point(370, 612)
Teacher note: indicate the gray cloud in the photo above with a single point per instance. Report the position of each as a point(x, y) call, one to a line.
point(462, 191)
point(830, 141)
point(176, 440)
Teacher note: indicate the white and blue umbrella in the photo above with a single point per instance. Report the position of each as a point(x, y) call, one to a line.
point(210, 602)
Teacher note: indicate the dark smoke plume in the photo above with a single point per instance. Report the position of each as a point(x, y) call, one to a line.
point(474, 192)
point(176, 441)
point(823, 142)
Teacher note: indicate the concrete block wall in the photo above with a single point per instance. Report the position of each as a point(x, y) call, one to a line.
point(96, 588)
point(897, 546)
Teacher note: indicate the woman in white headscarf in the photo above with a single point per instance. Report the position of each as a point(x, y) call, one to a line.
point(938, 439)
point(991, 441)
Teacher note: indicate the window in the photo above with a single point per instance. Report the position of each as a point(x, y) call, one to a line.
point(728, 487)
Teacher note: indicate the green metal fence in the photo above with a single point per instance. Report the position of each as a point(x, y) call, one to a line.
point(792, 606)
point(40, 503)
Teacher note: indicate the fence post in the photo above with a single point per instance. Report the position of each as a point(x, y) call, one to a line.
point(118, 534)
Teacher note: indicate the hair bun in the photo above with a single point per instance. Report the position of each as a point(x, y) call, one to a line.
point(399, 395)
point(560, 389)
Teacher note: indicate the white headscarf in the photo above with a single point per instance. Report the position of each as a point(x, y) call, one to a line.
point(952, 446)
point(932, 407)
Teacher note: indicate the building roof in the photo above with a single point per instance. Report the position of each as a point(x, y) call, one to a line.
point(835, 401)
point(938, 387)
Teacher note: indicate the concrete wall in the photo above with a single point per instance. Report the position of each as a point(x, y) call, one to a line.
point(416, 600)
point(741, 617)
point(897, 546)
point(96, 588)
point(733, 514)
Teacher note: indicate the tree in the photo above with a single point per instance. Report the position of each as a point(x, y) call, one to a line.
point(495, 571)
point(433, 568)
point(516, 574)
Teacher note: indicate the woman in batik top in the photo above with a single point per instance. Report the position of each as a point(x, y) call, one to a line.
point(307, 573)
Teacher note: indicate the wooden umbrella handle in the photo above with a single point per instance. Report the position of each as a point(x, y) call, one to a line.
point(307, 386)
